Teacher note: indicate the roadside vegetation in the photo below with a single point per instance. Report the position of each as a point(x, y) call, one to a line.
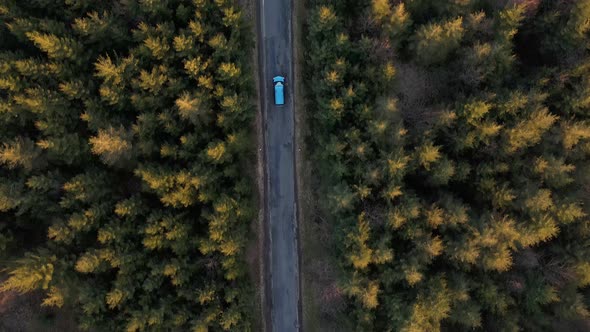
point(450, 142)
point(125, 127)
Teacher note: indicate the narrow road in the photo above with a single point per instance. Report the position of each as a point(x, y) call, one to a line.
point(276, 58)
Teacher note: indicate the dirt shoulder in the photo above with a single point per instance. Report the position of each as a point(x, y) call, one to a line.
point(307, 303)
point(255, 252)
point(300, 134)
point(23, 312)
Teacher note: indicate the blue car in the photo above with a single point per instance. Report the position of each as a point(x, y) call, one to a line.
point(279, 83)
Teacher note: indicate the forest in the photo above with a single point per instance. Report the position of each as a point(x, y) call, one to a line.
point(451, 144)
point(125, 130)
point(450, 150)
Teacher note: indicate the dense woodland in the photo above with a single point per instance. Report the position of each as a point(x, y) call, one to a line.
point(125, 130)
point(450, 144)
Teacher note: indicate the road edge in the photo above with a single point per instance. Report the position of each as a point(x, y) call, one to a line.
point(264, 255)
point(261, 173)
point(255, 246)
point(297, 8)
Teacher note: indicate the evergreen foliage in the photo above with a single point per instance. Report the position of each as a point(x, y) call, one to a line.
point(124, 127)
point(450, 148)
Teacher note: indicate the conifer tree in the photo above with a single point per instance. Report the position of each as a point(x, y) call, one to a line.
point(159, 91)
point(435, 42)
point(485, 212)
point(21, 152)
point(112, 145)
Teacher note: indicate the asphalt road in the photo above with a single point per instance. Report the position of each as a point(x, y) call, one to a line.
point(276, 58)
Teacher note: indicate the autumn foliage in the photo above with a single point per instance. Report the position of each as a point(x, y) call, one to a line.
point(450, 147)
point(125, 131)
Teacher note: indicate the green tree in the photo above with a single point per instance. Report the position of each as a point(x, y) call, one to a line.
point(114, 146)
point(21, 152)
point(56, 47)
point(436, 42)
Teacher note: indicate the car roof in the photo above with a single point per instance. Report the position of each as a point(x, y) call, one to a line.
point(278, 79)
point(279, 97)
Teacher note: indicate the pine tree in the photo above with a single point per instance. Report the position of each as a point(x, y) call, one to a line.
point(193, 108)
point(101, 29)
point(69, 149)
point(427, 154)
point(529, 132)
point(114, 146)
point(361, 254)
point(578, 22)
point(21, 152)
point(436, 42)
point(381, 9)
point(430, 308)
point(34, 271)
point(56, 47)
point(573, 133)
point(553, 171)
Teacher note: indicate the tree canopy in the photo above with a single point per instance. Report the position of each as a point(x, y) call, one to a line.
point(125, 128)
point(450, 153)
